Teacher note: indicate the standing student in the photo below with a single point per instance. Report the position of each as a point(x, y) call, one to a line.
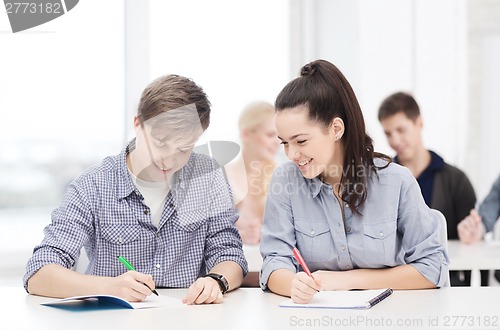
point(359, 220)
point(444, 187)
point(167, 210)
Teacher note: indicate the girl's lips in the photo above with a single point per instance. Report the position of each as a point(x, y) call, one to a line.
point(304, 164)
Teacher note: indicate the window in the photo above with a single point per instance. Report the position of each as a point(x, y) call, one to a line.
point(62, 109)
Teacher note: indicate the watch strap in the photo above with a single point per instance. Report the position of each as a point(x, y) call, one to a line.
point(221, 280)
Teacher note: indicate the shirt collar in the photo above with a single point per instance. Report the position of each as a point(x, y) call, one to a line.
point(315, 185)
point(436, 164)
point(124, 186)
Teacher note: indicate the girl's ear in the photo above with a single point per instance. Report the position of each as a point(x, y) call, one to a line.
point(337, 128)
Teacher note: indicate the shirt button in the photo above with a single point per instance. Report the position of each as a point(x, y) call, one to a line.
point(381, 234)
point(120, 239)
point(348, 229)
point(343, 247)
point(312, 232)
point(171, 205)
point(158, 266)
point(146, 212)
point(346, 205)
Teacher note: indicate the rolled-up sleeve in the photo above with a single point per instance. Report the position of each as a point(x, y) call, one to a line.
point(490, 207)
point(278, 232)
point(223, 241)
point(421, 235)
point(70, 228)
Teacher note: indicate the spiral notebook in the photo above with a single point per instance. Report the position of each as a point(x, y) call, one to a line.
point(362, 299)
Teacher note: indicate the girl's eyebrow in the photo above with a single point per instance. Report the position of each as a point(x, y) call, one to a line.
point(294, 136)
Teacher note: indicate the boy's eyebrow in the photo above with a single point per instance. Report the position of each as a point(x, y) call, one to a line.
point(185, 139)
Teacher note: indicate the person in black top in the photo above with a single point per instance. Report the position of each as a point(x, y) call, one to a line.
point(444, 187)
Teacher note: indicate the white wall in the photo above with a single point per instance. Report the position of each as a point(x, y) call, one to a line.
point(387, 58)
point(483, 154)
point(136, 59)
point(383, 46)
point(421, 47)
point(236, 50)
point(440, 76)
point(488, 147)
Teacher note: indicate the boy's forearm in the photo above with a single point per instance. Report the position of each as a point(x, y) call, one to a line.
point(231, 271)
point(59, 282)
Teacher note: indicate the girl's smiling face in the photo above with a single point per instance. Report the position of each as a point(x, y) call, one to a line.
point(309, 144)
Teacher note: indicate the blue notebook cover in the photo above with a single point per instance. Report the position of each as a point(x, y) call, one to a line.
point(94, 301)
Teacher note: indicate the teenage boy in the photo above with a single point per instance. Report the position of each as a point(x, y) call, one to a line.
point(444, 187)
point(168, 211)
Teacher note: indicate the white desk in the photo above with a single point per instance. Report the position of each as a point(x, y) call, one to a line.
point(254, 309)
point(481, 255)
point(474, 257)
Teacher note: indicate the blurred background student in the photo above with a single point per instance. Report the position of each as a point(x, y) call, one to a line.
point(444, 187)
point(249, 174)
point(473, 227)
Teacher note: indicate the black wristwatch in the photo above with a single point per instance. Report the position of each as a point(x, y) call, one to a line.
point(224, 286)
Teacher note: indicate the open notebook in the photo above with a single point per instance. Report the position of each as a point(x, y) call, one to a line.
point(151, 301)
point(343, 299)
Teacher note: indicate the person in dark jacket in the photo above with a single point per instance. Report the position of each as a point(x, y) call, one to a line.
point(444, 187)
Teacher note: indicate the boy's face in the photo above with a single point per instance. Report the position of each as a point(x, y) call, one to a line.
point(404, 135)
point(156, 160)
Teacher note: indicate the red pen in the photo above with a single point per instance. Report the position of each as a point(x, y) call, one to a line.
point(298, 257)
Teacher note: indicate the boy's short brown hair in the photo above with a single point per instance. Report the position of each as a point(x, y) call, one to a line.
point(173, 92)
point(399, 102)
